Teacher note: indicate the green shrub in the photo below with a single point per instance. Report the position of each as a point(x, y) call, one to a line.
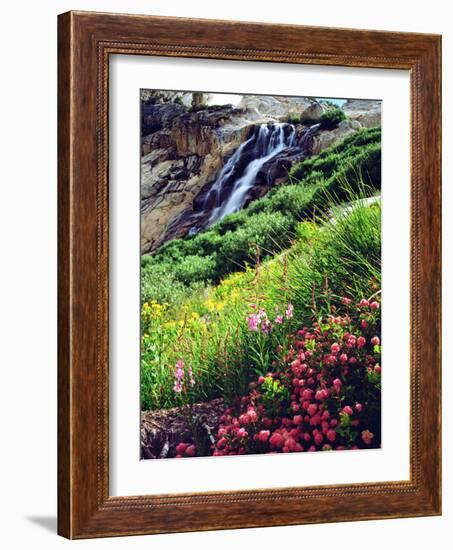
point(266, 232)
point(231, 223)
point(305, 232)
point(159, 283)
point(205, 243)
point(331, 118)
point(294, 118)
point(173, 250)
point(287, 199)
point(356, 158)
point(195, 268)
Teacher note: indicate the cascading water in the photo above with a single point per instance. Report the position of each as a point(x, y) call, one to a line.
point(236, 183)
point(229, 192)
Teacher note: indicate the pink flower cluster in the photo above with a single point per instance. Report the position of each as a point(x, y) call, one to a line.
point(185, 450)
point(261, 322)
point(331, 377)
point(179, 376)
point(332, 405)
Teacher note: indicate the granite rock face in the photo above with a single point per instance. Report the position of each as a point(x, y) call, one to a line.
point(327, 138)
point(182, 150)
point(367, 112)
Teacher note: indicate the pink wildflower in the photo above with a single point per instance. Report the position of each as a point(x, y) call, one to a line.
point(318, 438)
point(298, 419)
point(367, 437)
point(190, 451)
point(179, 375)
point(181, 447)
point(351, 341)
point(335, 348)
point(276, 440)
point(289, 311)
point(191, 378)
point(244, 419)
point(253, 322)
point(320, 395)
point(331, 435)
point(307, 394)
point(251, 413)
point(222, 442)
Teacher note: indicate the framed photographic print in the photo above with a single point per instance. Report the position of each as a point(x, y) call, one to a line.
point(249, 275)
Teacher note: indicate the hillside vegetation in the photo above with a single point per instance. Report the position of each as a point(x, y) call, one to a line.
point(225, 304)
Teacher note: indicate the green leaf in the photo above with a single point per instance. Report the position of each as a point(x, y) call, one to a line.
point(345, 419)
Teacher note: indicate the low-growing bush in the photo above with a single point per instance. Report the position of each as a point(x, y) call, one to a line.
point(294, 118)
point(191, 269)
point(331, 118)
point(266, 231)
point(290, 200)
point(343, 153)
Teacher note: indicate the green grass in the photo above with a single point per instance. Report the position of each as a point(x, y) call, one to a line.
point(343, 260)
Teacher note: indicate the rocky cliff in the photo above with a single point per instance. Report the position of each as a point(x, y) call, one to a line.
point(185, 147)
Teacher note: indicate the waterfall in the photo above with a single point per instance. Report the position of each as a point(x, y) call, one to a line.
point(237, 180)
point(229, 192)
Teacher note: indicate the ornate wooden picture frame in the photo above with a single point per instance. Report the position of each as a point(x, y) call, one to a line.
point(85, 507)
